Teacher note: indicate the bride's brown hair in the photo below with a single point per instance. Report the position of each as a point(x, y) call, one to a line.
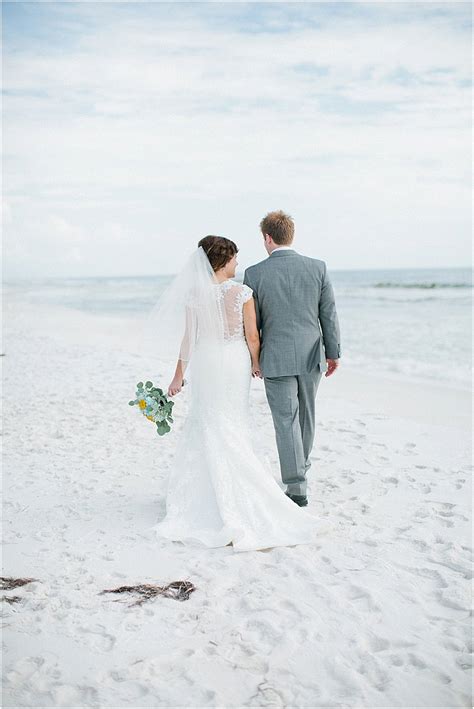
point(219, 250)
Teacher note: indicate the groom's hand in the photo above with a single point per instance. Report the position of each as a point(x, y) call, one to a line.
point(333, 364)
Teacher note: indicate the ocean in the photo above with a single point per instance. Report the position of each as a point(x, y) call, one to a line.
point(410, 323)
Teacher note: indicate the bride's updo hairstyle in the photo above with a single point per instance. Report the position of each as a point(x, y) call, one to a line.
point(219, 250)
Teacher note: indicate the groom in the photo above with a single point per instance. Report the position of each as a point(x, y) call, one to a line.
point(293, 298)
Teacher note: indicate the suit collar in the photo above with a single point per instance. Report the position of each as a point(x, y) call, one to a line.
point(285, 252)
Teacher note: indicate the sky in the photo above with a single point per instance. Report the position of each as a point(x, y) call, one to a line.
point(133, 129)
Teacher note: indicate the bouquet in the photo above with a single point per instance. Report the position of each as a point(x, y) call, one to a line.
point(154, 404)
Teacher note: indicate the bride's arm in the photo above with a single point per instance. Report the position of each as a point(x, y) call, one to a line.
point(252, 336)
point(184, 354)
point(177, 383)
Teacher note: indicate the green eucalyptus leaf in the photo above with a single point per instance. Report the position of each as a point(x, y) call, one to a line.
point(162, 428)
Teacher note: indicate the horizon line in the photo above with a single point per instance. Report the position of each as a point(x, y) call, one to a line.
point(161, 275)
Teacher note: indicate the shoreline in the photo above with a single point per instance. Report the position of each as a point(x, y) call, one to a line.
point(114, 325)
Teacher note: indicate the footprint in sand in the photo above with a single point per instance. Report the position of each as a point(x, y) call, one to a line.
point(448, 599)
point(416, 661)
point(422, 513)
point(465, 571)
point(426, 573)
point(289, 607)
point(333, 569)
point(34, 674)
point(378, 644)
point(396, 660)
point(408, 450)
point(420, 545)
point(464, 661)
point(267, 635)
point(370, 542)
point(135, 690)
point(101, 640)
point(24, 669)
point(244, 656)
point(376, 675)
point(359, 595)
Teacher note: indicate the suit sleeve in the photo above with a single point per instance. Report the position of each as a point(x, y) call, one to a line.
point(328, 318)
point(248, 281)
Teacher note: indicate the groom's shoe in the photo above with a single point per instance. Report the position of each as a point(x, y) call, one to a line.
point(301, 500)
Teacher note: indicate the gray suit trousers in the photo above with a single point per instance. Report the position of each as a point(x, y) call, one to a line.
point(292, 403)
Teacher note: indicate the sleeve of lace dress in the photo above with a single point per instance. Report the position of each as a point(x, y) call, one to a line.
point(247, 293)
point(190, 335)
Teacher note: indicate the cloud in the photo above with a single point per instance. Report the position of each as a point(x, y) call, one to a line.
point(170, 121)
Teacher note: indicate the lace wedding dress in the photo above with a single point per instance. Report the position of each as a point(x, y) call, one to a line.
point(219, 491)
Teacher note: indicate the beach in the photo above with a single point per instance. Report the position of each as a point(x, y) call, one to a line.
point(376, 614)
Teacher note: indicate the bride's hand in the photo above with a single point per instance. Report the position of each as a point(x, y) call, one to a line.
point(256, 371)
point(175, 386)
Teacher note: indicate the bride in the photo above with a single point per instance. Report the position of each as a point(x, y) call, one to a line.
point(219, 492)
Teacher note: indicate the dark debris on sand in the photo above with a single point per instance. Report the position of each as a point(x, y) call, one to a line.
point(8, 582)
point(179, 590)
point(11, 599)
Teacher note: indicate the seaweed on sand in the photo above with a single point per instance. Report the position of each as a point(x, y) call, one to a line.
point(8, 582)
point(179, 590)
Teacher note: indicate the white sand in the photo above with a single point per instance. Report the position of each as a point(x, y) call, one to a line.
point(374, 615)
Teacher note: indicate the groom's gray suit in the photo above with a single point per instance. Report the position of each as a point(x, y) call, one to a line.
point(293, 298)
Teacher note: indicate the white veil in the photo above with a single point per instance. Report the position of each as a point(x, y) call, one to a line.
point(188, 322)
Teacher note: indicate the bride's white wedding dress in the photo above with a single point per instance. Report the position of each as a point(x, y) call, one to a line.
point(219, 491)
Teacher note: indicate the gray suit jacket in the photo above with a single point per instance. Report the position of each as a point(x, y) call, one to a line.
point(295, 301)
